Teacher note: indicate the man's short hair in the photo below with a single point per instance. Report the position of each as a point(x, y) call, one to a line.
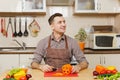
point(50, 20)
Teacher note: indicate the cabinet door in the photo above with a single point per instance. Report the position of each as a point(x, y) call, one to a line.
point(112, 60)
point(93, 59)
point(108, 6)
point(25, 60)
point(8, 61)
point(34, 5)
point(85, 6)
point(10, 5)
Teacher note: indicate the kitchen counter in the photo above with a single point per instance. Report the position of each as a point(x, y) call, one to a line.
point(109, 51)
point(17, 51)
point(38, 75)
point(86, 51)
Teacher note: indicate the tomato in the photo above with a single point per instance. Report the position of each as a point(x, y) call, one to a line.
point(23, 78)
point(8, 76)
point(114, 71)
point(108, 71)
point(103, 72)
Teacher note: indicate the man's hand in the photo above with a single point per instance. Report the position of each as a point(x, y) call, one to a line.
point(46, 68)
point(76, 69)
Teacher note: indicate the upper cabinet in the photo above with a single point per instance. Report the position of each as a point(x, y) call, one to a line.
point(97, 6)
point(82, 6)
point(22, 7)
point(10, 6)
point(34, 5)
point(109, 6)
point(60, 2)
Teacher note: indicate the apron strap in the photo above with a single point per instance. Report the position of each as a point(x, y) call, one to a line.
point(49, 42)
point(66, 44)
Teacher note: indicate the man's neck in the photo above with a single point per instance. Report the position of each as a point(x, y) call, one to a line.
point(57, 36)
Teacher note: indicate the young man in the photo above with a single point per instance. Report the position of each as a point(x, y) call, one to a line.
point(58, 48)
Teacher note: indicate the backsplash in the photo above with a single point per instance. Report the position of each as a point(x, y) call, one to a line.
point(74, 22)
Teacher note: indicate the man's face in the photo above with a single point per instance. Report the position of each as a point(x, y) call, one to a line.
point(59, 25)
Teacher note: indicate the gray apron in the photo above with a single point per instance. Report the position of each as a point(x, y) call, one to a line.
point(57, 57)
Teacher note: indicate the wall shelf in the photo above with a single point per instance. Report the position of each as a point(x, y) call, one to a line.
point(98, 13)
point(14, 14)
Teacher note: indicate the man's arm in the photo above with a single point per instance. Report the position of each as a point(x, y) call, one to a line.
point(79, 56)
point(83, 65)
point(80, 66)
point(35, 65)
point(42, 67)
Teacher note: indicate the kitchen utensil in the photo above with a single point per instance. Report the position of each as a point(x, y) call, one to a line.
point(26, 32)
point(15, 33)
point(34, 28)
point(9, 25)
point(1, 25)
point(20, 32)
point(4, 27)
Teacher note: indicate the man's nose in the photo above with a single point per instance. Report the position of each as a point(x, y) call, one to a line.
point(63, 24)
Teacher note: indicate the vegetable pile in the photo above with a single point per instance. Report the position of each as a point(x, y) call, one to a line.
point(106, 73)
point(17, 74)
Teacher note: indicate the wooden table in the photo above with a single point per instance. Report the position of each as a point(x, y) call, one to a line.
point(38, 75)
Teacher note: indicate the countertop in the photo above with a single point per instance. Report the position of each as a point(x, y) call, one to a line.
point(38, 75)
point(17, 51)
point(86, 51)
point(103, 51)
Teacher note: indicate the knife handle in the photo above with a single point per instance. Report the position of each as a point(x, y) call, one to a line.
point(54, 69)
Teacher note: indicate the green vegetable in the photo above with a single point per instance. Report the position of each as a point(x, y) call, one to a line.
point(13, 71)
point(109, 76)
point(9, 79)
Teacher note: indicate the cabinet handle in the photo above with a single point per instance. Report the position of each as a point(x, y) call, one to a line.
point(98, 6)
point(104, 60)
point(30, 58)
point(100, 60)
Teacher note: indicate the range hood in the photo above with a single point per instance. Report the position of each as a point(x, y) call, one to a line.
point(59, 2)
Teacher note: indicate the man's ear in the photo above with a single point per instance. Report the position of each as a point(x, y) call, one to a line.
point(51, 26)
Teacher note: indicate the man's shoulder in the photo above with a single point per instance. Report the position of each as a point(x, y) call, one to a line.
point(70, 38)
point(44, 40)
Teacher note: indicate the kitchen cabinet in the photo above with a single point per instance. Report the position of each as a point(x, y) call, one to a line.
point(85, 6)
point(108, 6)
point(34, 5)
point(26, 59)
point(22, 8)
point(8, 61)
point(93, 59)
point(10, 5)
point(103, 59)
point(97, 6)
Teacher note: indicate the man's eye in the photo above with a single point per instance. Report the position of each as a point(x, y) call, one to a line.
point(60, 22)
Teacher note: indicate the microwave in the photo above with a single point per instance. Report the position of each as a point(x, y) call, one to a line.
point(104, 41)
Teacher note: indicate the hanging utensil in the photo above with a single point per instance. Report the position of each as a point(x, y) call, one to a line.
point(15, 33)
point(25, 32)
point(34, 28)
point(4, 27)
point(20, 32)
point(1, 25)
point(9, 25)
